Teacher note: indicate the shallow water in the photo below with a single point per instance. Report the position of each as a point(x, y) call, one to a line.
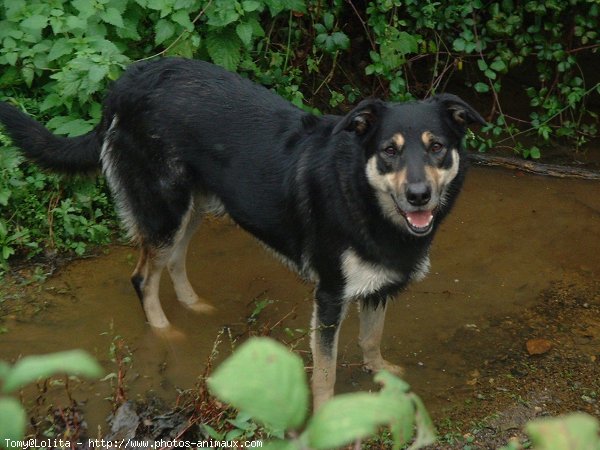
point(508, 238)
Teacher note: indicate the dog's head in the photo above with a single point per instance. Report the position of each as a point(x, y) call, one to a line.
point(413, 153)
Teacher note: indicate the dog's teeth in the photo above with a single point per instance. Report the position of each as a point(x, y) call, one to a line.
point(419, 219)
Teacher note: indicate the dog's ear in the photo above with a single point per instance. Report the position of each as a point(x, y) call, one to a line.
point(361, 118)
point(460, 111)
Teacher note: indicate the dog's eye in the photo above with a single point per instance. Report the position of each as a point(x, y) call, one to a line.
point(436, 147)
point(390, 151)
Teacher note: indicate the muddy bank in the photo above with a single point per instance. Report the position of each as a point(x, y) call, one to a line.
point(510, 243)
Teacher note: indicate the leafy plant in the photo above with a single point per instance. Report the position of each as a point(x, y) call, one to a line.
point(28, 370)
point(58, 57)
point(575, 431)
point(274, 391)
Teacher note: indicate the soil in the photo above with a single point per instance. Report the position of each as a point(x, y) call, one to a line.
point(505, 330)
point(514, 384)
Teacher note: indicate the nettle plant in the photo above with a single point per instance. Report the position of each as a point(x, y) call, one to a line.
point(268, 383)
point(57, 57)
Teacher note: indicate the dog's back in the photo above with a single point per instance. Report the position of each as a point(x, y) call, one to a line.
point(351, 202)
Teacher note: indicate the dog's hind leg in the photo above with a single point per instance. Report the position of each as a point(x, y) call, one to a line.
point(372, 318)
point(177, 266)
point(146, 281)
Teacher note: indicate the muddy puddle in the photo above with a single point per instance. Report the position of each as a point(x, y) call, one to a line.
point(509, 240)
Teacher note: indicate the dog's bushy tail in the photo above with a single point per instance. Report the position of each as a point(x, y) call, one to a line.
point(62, 154)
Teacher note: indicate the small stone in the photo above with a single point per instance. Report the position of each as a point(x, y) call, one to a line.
point(538, 346)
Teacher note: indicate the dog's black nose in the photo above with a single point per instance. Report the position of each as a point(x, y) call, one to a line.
point(418, 194)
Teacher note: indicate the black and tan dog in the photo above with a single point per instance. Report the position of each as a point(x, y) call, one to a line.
point(351, 203)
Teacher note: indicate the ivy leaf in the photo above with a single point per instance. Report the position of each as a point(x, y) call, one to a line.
point(224, 47)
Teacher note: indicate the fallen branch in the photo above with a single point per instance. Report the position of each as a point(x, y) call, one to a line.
point(552, 170)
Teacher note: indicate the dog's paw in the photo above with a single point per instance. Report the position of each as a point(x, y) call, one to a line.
point(200, 306)
point(376, 366)
point(169, 333)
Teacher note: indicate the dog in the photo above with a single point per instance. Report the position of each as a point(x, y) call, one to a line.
point(350, 202)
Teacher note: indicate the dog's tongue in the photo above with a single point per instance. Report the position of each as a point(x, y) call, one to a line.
point(419, 219)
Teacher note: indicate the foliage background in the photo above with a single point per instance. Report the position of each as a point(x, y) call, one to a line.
point(527, 65)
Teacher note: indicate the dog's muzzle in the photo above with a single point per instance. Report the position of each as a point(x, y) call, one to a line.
point(419, 222)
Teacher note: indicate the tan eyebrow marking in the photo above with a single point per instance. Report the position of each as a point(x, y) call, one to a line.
point(398, 139)
point(427, 137)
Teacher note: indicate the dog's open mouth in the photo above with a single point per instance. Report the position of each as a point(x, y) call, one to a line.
point(419, 222)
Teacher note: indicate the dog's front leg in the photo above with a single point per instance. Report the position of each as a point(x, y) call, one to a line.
point(327, 316)
point(371, 331)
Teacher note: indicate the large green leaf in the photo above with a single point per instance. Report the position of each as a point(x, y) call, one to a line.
point(223, 46)
point(266, 380)
point(32, 368)
point(349, 417)
point(576, 431)
point(12, 420)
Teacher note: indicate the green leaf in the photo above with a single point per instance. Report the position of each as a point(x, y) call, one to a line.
point(534, 153)
point(60, 48)
point(113, 17)
point(348, 417)
point(482, 65)
point(498, 65)
point(406, 43)
point(482, 87)
point(85, 8)
point(164, 30)
point(27, 73)
point(31, 368)
point(224, 47)
point(425, 428)
point(244, 32)
point(12, 420)
point(459, 44)
point(75, 127)
point(250, 5)
point(35, 22)
point(97, 73)
point(282, 445)
point(328, 20)
point(4, 366)
point(575, 431)
point(273, 388)
point(183, 18)
point(341, 40)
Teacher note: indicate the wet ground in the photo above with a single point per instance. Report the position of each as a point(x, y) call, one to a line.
point(517, 261)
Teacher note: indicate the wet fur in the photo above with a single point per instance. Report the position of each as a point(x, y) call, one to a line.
point(181, 138)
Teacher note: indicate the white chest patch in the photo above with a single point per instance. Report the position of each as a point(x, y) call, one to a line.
point(364, 278)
